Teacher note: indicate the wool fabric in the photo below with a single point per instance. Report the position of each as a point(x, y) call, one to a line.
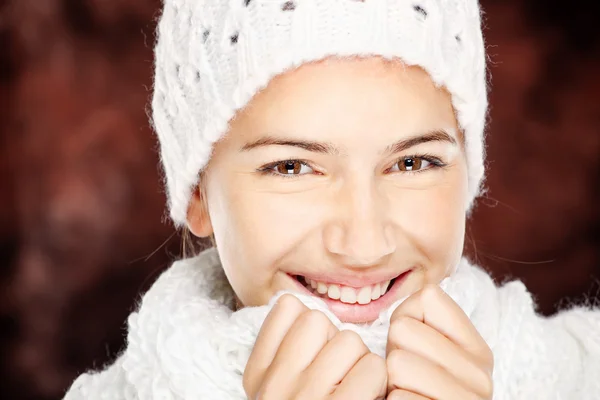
point(186, 342)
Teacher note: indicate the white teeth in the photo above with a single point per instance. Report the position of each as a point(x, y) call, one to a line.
point(321, 288)
point(364, 295)
point(347, 295)
point(384, 287)
point(334, 292)
point(375, 292)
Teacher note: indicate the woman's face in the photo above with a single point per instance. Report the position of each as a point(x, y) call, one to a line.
point(338, 178)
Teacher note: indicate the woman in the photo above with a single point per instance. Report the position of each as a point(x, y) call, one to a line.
point(333, 150)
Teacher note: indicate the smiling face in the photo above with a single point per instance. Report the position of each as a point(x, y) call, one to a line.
point(339, 177)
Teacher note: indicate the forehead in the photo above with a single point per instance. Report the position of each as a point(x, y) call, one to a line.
point(341, 99)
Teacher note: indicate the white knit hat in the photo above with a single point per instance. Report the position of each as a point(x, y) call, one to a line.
point(213, 56)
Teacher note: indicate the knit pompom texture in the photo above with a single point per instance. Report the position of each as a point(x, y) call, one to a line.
point(213, 56)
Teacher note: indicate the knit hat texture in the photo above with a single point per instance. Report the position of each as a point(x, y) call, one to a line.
point(213, 56)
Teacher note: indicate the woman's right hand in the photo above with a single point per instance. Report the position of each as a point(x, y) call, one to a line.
point(300, 354)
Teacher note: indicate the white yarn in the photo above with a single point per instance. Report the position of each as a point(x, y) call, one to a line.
point(185, 342)
point(213, 56)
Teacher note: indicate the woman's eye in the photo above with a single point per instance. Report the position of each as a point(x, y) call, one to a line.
point(291, 167)
point(412, 164)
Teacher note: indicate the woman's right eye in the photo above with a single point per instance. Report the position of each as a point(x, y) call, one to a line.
point(288, 168)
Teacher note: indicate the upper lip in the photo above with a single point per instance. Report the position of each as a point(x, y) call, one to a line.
point(352, 279)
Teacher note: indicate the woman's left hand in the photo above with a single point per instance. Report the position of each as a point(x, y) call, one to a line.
point(435, 352)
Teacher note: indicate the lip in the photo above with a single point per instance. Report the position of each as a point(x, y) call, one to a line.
point(359, 313)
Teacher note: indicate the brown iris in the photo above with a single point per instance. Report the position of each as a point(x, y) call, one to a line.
point(410, 164)
point(289, 167)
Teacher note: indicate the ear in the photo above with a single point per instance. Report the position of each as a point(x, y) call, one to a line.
point(198, 220)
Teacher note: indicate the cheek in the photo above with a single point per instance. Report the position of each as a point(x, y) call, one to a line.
point(433, 219)
point(268, 226)
point(256, 231)
point(438, 225)
point(242, 237)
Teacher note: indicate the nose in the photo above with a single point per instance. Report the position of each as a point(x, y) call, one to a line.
point(361, 232)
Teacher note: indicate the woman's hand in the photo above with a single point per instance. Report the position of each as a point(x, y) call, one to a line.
point(300, 354)
point(434, 351)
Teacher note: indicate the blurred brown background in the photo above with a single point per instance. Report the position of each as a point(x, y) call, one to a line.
point(82, 227)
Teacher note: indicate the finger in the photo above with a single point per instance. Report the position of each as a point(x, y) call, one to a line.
point(279, 320)
point(400, 394)
point(308, 335)
point(366, 380)
point(332, 364)
point(414, 336)
point(416, 374)
point(432, 306)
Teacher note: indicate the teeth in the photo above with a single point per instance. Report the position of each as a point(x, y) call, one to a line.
point(375, 292)
point(347, 294)
point(384, 287)
point(334, 292)
point(321, 288)
point(364, 295)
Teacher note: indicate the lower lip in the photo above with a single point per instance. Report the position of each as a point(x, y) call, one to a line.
point(359, 313)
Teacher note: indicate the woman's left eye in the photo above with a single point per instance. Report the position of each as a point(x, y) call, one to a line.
point(412, 164)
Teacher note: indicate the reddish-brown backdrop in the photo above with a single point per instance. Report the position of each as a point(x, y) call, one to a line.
point(82, 227)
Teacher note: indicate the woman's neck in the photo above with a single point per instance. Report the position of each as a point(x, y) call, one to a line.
point(238, 304)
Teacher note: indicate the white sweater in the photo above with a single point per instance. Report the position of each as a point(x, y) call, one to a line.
point(185, 342)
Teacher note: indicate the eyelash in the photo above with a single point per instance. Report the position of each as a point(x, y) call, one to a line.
point(434, 162)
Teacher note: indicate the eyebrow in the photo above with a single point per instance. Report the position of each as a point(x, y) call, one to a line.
point(438, 135)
